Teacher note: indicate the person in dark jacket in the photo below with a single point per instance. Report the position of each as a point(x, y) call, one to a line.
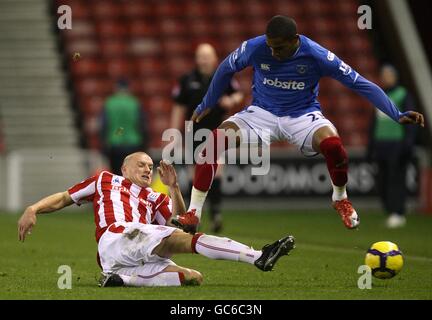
point(391, 148)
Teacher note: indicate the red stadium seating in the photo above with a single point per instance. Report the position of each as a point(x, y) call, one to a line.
point(113, 48)
point(142, 28)
point(81, 29)
point(91, 105)
point(105, 9)
point(111, 29)
point(93, 86)
point(80, 8)
point(85, 67)
point(152, 43)
point(137, 9)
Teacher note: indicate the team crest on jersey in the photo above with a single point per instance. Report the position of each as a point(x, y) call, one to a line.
point(301, 68)
point(153, 196)
point(116, 180)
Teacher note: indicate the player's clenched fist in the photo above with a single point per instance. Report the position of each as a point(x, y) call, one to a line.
point(412, 117)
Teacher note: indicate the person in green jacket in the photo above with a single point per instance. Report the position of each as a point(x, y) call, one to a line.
point(124, 126)
point(391, 147)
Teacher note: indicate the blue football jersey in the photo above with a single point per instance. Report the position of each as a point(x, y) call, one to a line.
point(290, 87)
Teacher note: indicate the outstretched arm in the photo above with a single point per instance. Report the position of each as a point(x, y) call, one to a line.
point(51, 203)
point(218, 85)
point(378, 98)
point(335, 68)
point(235, 62)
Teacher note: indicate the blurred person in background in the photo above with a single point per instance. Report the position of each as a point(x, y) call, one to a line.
point(189, 92)
point(391, 148)
point(124, 126)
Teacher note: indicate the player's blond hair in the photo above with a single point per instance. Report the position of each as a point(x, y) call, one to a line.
point(132, 155)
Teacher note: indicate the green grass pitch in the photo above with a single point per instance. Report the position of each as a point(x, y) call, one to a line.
point(323, 266)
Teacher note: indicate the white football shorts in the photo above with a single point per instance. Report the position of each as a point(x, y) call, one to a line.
point(298, 131)
point(129, 251)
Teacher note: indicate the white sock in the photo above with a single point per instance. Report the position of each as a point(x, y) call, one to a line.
point(226, 249)
point(163, 279)
point(339, 193)
point(197, 201)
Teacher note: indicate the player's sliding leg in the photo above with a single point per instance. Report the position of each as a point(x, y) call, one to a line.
point(134, 277)
point(225, 249)
point(205, 173)
point(328, 143)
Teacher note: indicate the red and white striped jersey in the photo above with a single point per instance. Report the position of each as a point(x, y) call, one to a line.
point(116, 199)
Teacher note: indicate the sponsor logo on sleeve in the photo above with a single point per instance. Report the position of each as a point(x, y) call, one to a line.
point(243, 46)
point(265, 66)
point(346, 69)
point(330, 56)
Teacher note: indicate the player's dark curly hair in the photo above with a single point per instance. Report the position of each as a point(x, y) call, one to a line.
point(281, 27)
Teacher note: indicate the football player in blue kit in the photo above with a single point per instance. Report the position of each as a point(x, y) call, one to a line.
point(287, 68)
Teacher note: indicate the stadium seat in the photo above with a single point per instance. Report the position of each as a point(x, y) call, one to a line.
point(348, 26)
point(363, 64)
point(346, 8)
point(137, 10)
point(289, 8)
point(105, 9)
point(142, 28)
point(94, 86)
point(152, 86)
point(201, 28)
point(324, 26)
point(257, 9)
point(158, 105)
point(87, 48)
point(86, 67)
point(256, 27)
point(177, 46)
point(318, 8)
point(226, 8)
point(172, 27)
point(144, 46)
point(113, 48)
point(111, 29)
point(119, 68)
point(359, 44)
point(231, 28)
point(81, 29)
point(91, 105)
point(195, 9)
point(169, 9)
point(80, 8)
point(148, 67)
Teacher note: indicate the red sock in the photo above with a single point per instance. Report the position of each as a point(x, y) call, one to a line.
point(194, 241)
point(337, 160)
point(204, 173)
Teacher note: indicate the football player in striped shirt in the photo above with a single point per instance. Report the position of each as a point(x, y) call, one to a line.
point(135, 232)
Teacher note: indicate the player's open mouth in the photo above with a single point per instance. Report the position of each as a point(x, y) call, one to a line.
point(145, 177)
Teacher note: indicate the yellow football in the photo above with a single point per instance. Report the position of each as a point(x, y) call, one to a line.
point(385, 259)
